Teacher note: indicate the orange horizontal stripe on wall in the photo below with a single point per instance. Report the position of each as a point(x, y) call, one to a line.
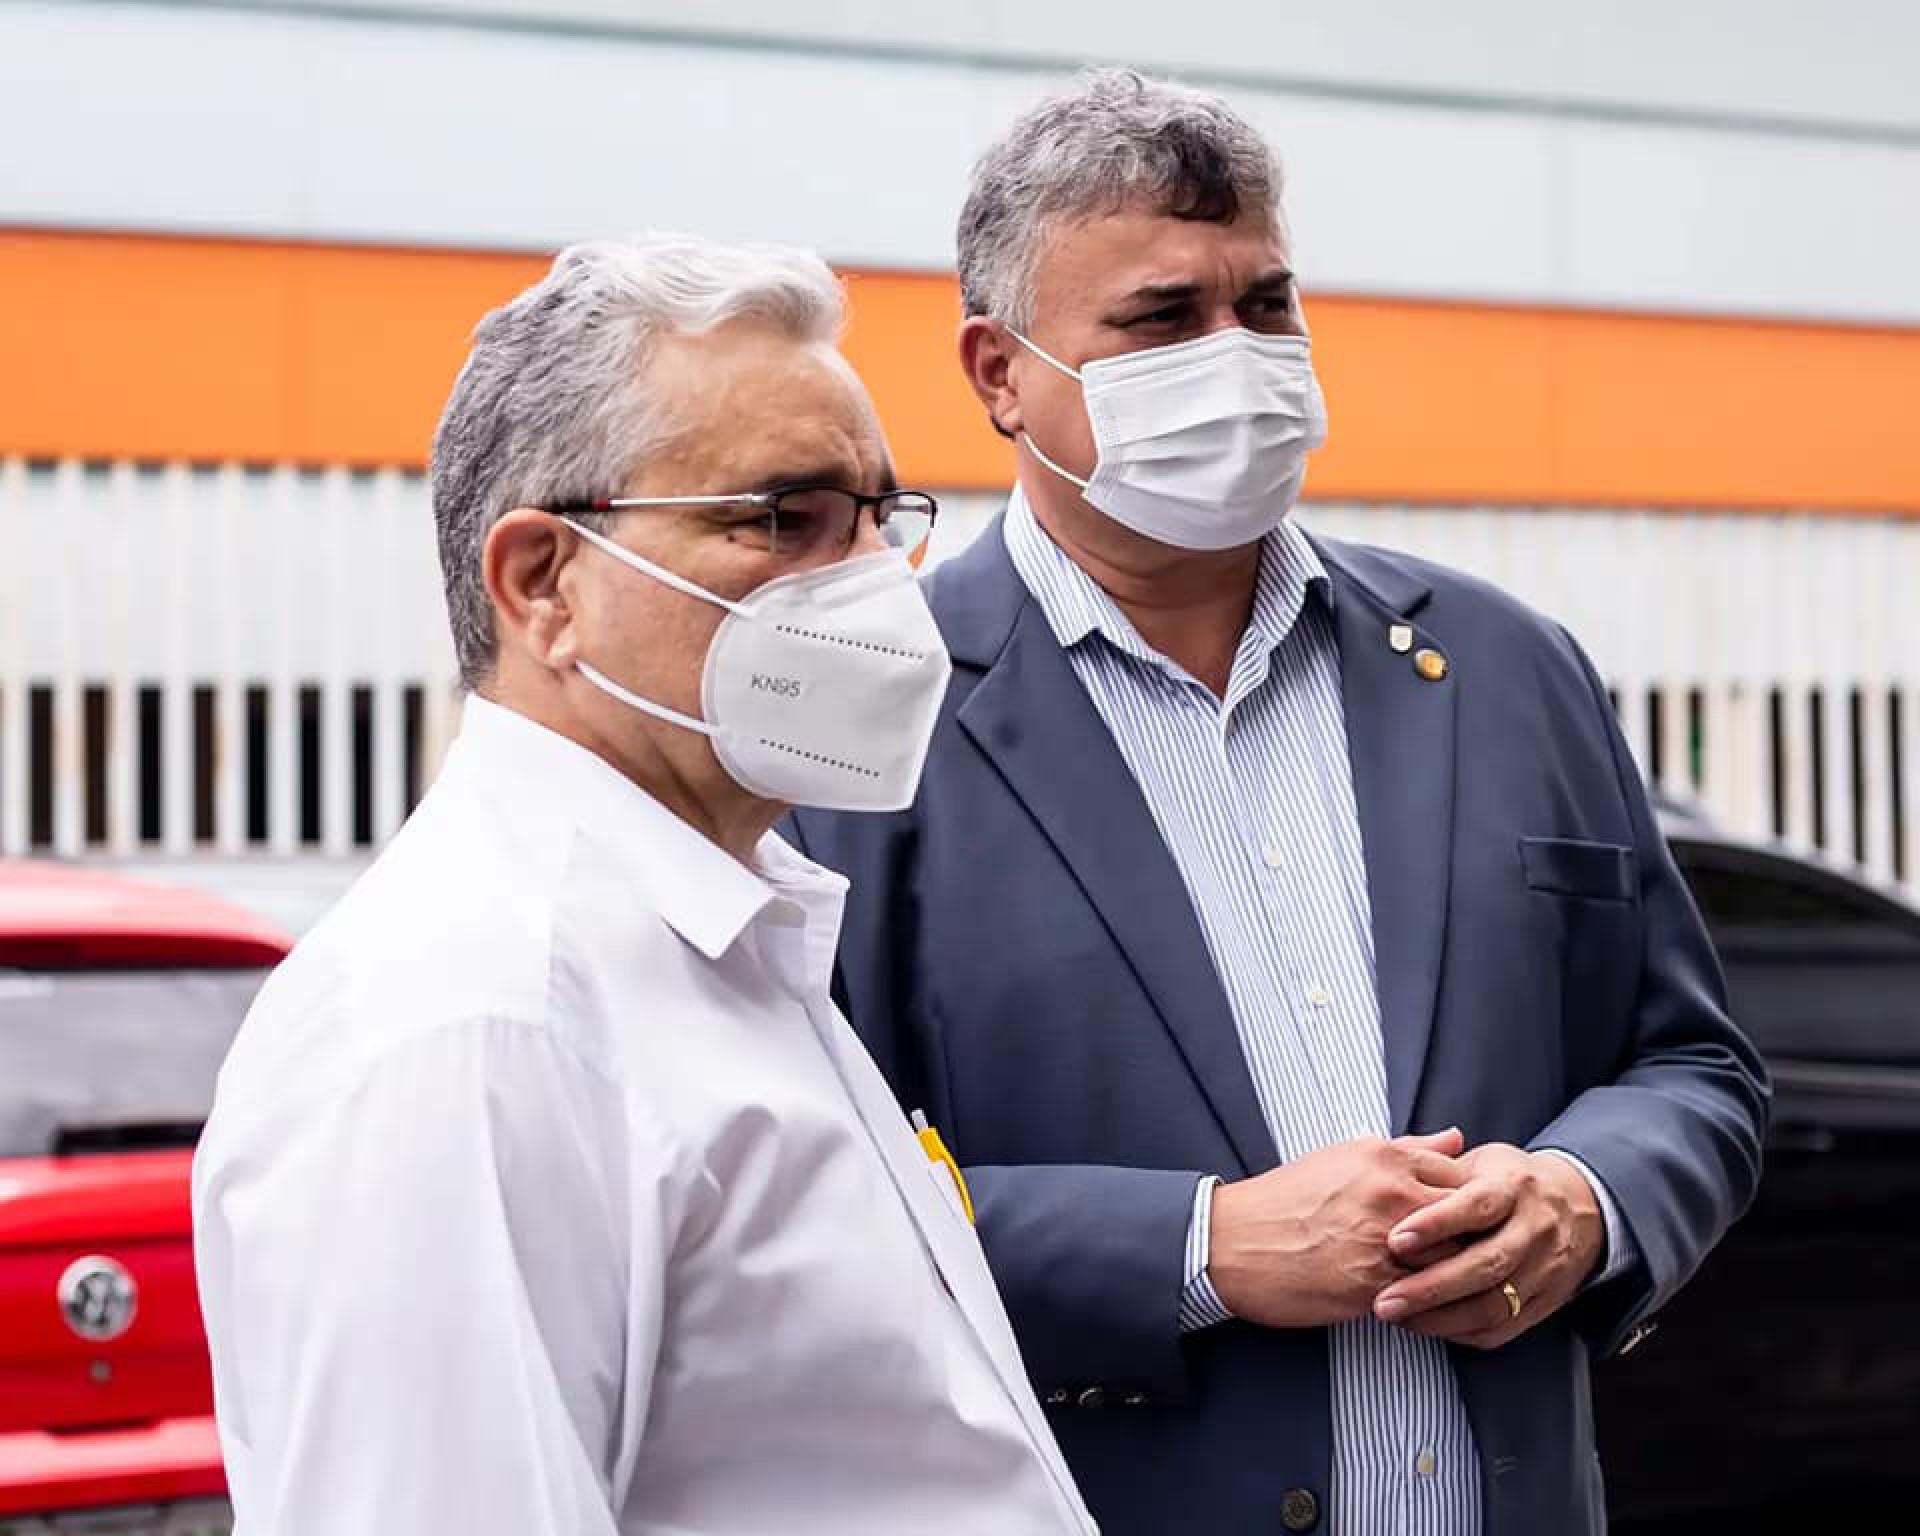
point(153, 347)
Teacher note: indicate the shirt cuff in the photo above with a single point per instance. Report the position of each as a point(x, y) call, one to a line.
point(1622, 1251)
point(1200, 1305)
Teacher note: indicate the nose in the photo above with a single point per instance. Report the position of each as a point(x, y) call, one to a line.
point(1222, 317)
point(867, 537)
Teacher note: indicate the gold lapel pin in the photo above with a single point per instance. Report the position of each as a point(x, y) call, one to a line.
point(1400, 637)
point(1431, 665)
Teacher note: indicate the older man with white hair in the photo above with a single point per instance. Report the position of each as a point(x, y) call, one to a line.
point(546, 1193)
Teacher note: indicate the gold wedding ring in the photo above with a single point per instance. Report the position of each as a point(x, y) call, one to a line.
point(1513, 1298)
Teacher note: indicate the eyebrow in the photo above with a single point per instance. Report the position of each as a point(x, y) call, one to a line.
point(834, 475)
point(1158, 293)
point(1273, 280)
point(815, 474)
point(1266, 282)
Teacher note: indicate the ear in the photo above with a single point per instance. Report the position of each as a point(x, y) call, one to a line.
point(522, 563)
point(986, 357)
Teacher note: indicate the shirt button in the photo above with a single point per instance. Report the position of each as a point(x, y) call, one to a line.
point(1276, 858)
point(1426, 1463)
point(1320, 997)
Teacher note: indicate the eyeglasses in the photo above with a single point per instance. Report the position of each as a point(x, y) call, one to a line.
point(800, 521)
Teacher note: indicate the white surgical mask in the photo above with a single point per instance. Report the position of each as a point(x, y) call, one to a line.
point(820, 688)
point(1202, 444)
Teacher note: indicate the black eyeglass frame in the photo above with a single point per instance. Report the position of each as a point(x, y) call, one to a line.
point(770, 499)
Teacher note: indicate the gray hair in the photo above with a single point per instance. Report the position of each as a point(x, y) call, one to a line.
point(552, 406)
point(1118, 140)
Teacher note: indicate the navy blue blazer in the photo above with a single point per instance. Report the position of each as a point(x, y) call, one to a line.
point(1023, 960)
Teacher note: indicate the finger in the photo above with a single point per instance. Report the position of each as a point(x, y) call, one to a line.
point(1479, 1205)
point(1427, 1257)
point(1438, 1171)
point(1539, 1300)
point(1489, 1312)
point(1448, 1143)
point(1481, 1267)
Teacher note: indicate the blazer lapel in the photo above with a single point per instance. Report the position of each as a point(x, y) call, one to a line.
point(1400, 737)
point(1032, 718)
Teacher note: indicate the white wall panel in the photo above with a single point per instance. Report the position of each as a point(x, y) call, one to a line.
point(334, 126)
point(1742, 220)
point(222, 121)
point(1842, 62)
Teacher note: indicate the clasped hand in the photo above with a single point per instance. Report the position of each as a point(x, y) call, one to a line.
point(1418, 1231)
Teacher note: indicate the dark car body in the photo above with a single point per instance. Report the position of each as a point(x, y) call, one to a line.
point(1782, 1390)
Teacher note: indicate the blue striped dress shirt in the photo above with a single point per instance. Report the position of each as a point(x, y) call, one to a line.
point(1253, 795)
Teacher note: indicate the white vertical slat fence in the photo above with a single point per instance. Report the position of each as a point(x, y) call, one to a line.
point(215, 661)
point(230, 662)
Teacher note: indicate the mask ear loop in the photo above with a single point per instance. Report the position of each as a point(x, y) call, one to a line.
point(1065, 474)
point(666, 577)
point(659, 573)
point(1027, 437)
point(627, 696)
point(1045, 356)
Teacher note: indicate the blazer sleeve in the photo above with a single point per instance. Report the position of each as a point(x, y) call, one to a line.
point(1676, 1136)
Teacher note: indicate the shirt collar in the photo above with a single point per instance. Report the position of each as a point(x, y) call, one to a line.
point(702, 892)
point(1076, 606)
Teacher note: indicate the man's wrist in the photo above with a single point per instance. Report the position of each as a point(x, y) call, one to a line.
point(1617, 1249)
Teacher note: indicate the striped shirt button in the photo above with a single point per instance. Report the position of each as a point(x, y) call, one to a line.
point(1426, 1463)
point(1276, 857)
point(1319, 997)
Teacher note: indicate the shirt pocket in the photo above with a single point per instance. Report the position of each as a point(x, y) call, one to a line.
point(1588, 871)
point(949, 1192)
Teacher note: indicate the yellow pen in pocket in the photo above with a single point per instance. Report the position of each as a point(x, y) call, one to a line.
point(937, 1152)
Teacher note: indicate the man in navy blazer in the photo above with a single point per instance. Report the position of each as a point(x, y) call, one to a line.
point(1281, 937)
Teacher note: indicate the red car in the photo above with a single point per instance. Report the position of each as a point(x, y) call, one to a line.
point(118, 1001)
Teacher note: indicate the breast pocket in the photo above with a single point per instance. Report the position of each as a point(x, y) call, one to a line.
point(950, 1197)
point(1566, 866)
point(1587, 923)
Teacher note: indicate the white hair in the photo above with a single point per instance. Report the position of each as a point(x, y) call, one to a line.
point(552, 406)
point(1117, 140)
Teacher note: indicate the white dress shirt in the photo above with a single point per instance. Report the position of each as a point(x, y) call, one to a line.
point(547, 1194)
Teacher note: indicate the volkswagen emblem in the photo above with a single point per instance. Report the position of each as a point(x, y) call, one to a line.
point(98, 1298)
